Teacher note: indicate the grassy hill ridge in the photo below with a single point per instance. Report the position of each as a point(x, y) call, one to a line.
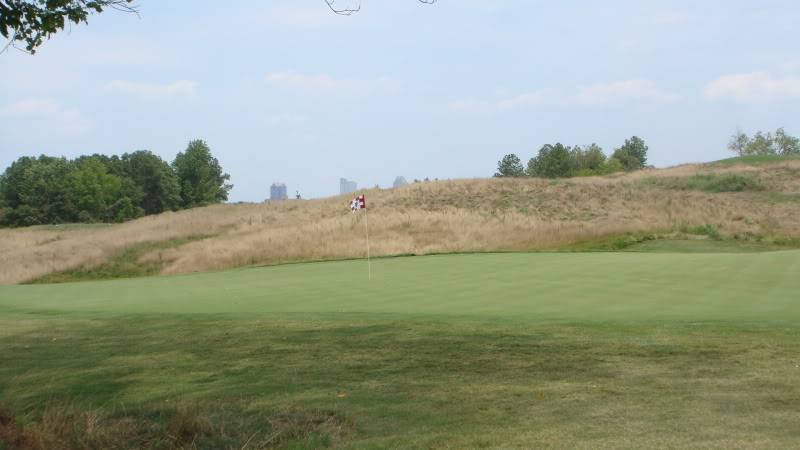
point(747, 200)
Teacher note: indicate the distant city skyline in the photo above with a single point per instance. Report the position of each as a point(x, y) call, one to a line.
point(347, 186)
point(278, 192)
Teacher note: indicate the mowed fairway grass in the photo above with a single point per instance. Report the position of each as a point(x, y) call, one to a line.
point(569, 350)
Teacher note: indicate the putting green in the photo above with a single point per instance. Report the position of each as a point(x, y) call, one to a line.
point(566, 286)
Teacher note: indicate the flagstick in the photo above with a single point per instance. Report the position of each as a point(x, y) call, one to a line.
point(366, 227)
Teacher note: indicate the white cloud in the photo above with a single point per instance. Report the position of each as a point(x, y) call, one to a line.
point(596, 95)
point(49, 114)
point(293, 80)
point(180, 88)
point(756, 87)
point(627, 91)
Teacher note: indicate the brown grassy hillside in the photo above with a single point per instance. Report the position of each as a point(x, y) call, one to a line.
point(443, 216)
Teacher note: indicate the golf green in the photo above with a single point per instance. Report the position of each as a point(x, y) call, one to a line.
point(567, 286)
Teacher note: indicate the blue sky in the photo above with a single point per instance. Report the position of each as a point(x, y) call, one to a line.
point(286, 91)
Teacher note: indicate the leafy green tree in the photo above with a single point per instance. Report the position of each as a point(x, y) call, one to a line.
point(510, 166)
point(764, 143)
point(200, 176)
point(124, 209)
point(632, 155)
point(32, 191)
point(154, 177)
point(588, 160)
point(612, 165)
point(3, 206)
point(786, 144)
point(112, 163)
point(738, 143)
point(761, 144)
point(553, 161)
point(98, 196)
point(33, 21)
point(109, 189)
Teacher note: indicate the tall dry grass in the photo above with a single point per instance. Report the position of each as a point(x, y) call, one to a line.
point(444, 216)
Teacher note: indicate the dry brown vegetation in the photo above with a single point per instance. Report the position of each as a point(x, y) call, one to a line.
point(66, 427)
point(443, 216)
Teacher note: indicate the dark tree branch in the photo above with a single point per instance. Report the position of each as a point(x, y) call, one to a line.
point(342, 11)
point(349, 11)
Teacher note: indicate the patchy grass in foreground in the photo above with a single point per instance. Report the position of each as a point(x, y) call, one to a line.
point(569, 350)
point(368, 382)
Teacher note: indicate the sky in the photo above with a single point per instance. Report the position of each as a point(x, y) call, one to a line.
point(286, 91)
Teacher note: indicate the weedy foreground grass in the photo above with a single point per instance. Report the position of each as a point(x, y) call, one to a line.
point(554, 350)
point(373, 382)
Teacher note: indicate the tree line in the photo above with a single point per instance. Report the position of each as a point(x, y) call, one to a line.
point(100, 188)
point(560, 161)
point(779, 143)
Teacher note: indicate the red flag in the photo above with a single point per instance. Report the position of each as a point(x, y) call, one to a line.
point(358, 203)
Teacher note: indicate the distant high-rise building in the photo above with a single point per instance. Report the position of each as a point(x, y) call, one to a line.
point(399, 182)
point(277, 192)
point(346, 186)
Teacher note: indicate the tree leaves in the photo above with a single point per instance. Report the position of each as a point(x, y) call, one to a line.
point(200, 175)
point(32, 21)
point(99, 188)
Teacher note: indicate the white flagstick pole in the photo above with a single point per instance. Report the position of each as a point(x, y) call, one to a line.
point(366, 227)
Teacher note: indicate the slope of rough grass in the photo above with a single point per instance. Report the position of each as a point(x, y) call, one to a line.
point(126, 264)
point(709, 182)
point(756, 159)
point(567, 350)
point(424, 218)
